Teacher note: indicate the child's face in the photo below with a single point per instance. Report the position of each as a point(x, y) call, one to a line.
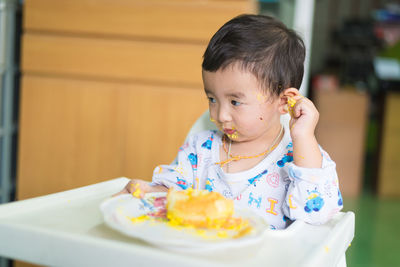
point(238, 106)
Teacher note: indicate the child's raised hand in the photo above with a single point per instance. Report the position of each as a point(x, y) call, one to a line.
point(138, 188)
point(304, 117)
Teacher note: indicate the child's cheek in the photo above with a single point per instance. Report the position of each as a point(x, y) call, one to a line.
point(262, 121)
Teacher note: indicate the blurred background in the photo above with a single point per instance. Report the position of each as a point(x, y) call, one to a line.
point(91, 90)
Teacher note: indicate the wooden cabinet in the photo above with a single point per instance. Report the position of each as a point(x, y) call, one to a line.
point(389, 165)
point(341, 131)
point(76, 132)
point(110, 87)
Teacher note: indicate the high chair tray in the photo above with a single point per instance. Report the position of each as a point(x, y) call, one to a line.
point(67, 229)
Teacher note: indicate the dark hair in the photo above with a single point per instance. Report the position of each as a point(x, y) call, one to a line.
point(262, 45)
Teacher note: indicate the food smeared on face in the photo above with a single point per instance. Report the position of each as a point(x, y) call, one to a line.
point(231, 133)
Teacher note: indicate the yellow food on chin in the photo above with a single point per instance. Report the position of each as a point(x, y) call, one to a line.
point(233, 136)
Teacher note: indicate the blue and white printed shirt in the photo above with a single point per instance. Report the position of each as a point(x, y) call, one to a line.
point(275, 188)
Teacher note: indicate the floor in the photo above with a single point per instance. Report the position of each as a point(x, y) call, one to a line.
point(377, 231)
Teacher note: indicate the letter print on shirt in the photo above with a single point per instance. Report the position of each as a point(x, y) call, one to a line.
point(271, 209)
point(255, 200)
point(291, 202)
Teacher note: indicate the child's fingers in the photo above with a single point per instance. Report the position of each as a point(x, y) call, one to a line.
point(298, 109)
point(292, 102)
point(301, 106)
point(138, 188)
point(295, 107)
point(305, 113)
point(131, 188)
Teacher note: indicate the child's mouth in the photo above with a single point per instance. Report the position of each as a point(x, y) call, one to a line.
point(229, 131)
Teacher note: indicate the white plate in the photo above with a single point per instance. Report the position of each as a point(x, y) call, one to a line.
point(117, 212)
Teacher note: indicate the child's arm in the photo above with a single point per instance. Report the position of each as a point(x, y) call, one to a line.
point(313, 194)
point(180, 174)
point(305, 116)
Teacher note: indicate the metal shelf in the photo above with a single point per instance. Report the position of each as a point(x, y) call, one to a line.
point(8, 70)
point(7, 96)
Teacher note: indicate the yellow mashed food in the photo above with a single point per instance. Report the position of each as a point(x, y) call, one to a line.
point(202, 209)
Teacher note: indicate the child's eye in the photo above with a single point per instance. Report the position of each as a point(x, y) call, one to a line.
point(212, 100)
point(235, 103)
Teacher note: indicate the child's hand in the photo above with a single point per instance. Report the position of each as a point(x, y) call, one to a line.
point(138, 188)
point(304, 117)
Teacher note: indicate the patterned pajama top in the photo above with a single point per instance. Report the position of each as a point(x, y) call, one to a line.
point(275, 188)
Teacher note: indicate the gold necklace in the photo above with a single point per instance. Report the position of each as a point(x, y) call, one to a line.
point(231, 157)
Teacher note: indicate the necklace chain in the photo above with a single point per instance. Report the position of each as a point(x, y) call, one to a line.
point(231, 157)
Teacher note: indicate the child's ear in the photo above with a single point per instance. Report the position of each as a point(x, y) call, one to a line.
point(283, 98)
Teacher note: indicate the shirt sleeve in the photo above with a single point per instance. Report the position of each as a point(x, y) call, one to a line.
point(313, 194)
point(179, 174)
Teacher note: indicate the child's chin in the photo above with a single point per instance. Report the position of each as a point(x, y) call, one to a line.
point(234, 137)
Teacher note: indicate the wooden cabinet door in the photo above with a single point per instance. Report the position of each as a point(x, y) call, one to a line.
point(74, 133)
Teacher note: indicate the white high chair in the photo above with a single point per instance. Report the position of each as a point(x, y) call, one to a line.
point(348, 219)
point(67, 229)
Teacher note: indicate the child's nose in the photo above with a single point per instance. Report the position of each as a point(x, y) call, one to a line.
point(223, 114)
